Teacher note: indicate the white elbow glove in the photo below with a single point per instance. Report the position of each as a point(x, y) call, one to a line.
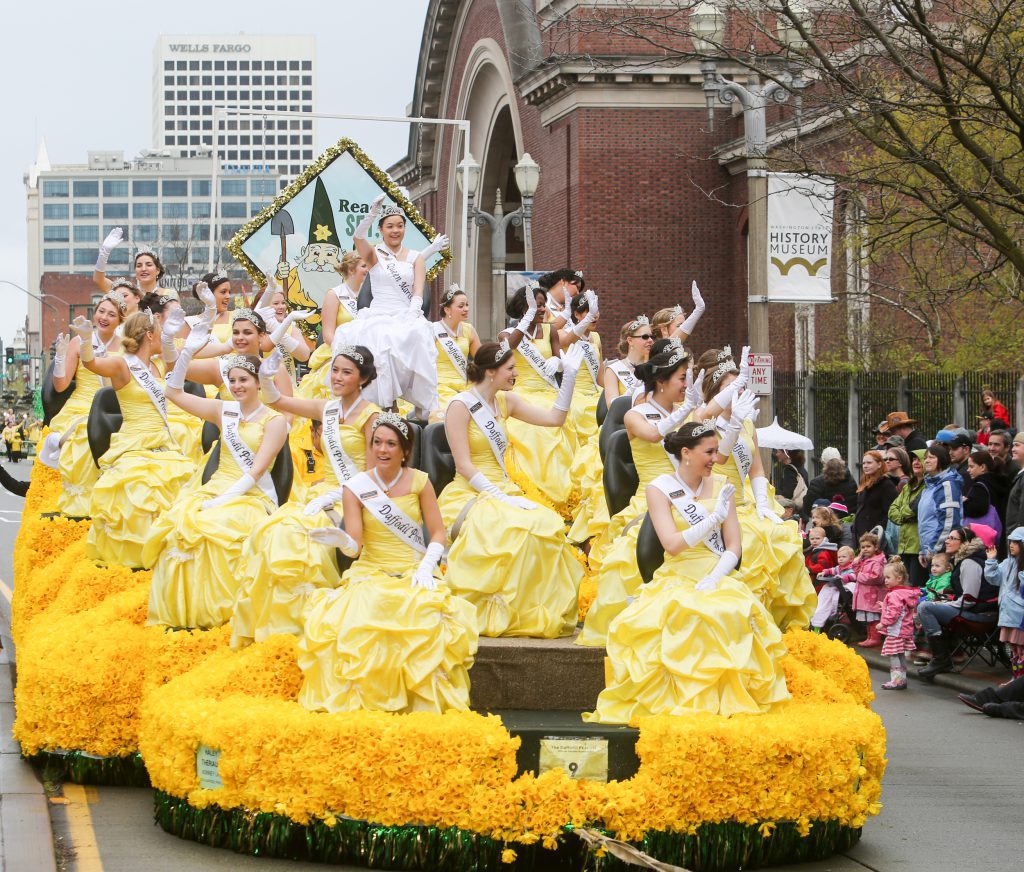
point(424, 574)
point(675, 418)
point(195, 343)
point(439, 244)
point(335, 537)
point(209, 301)
point(240, 487)
point(83, 329)
point(268, 369)
point(281, 335)
point(578, 330)
point(744, 407)
point(173, 322)
point(570, 369)
point(416, 306)
point(363, 227)
point(690, 323)
point(481, 484)
point(60, 355)
point(531, 311)
point(726, 564)
point(109, 244)
point(263, 306)
point(49, 451)
point(323, 503)
point(551, 366)
point(695, 389)
point(759, 486)
point(699, 531)
point(724, 397)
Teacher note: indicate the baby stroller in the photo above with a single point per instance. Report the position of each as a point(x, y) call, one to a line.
point(841, 624)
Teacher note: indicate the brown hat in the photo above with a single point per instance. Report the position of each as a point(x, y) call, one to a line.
point(899, 419)
point(1018, 438)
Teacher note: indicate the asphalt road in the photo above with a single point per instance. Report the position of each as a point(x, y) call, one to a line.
point(951, 793)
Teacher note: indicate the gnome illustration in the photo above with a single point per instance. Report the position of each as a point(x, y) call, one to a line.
point(315, 270)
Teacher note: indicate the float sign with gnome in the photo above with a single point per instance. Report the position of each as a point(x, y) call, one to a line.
point(301, 237)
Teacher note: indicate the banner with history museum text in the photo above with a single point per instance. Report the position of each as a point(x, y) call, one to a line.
point(301, 236)
point(799, 238)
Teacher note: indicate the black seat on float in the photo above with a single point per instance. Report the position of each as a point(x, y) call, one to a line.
point(281, 472)
point(416, 434)
point(366, 296)
point(614, 421)
point(602, 409)
point(620, 476)
point(104, 420)
point(436, 456)
point(649, 552)
point(52, 399)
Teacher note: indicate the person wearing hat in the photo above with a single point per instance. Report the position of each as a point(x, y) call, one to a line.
point(959, 444)
point(902, 425)
point(903, 513)
point(881, 433)
point(835, 480)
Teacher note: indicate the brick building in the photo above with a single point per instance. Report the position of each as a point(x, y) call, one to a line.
point(634, 189)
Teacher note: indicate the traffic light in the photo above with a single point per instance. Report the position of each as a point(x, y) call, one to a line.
point(9, 355)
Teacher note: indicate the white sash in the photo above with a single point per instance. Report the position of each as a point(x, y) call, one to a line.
point(624, 373)
point(350, 303)
point(245, 457)
point(689, 509)
point(451, 347)
point(343, 465)
point(534, 358)
point(652, 414)
point(483, 415)
point(389, 264)
point(378, 504)
point(593, 363)
point(148, 382)
point(557, 310)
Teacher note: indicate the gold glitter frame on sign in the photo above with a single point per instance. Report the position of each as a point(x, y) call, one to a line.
point(303, 233)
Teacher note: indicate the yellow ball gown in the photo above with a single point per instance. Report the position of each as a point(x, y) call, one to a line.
point(379, 643)
point(140, 476)
point(312, 386)
point(543, 455)
point(78, 470)
point(450, 380)
point(283, 566)
point(514, 566)
point(618, 575)
point(773, 562)
point(196, 553)
point(675, 650)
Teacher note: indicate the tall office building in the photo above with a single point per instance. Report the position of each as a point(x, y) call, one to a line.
point(193, 75)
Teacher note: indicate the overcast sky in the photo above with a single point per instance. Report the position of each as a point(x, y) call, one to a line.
point(81, 75)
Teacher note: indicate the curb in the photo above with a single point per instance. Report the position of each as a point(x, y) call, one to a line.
point(952, 680)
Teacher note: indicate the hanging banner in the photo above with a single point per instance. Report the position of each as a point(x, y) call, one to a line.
point(301, 236)
point(799, 238)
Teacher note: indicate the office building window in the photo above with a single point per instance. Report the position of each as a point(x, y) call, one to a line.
point(200, 254)
point(86, 189)
point(200, 210)
point(168, 140)
point(175, 188)
point(115, 211)
point(117, 188)
point(201, 232)
point(145, 232)
point(168, 65)
point(232, 187)
point(233, 210)
point(55, 211)
point(257, 207)
point(144, 188)
point(144, 210)
point(175, 233)
point(175, 211)
point(119, 256)
point(200, 188)
point(55, 256)
point(85, 256)
point(53, 188)
point(86, 233)
point(229, 230)
point(86, 210)
point(55, 233)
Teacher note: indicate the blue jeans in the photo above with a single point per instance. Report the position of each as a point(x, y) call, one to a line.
point(935, 616)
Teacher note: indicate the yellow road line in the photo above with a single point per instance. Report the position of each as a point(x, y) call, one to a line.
point(80, 829)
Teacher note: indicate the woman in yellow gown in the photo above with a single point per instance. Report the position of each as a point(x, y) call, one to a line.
point(283, 565)
point(667, 381)
point(590, 519)
point(143, 470)
point(695, 639)
point(196, 546)
point(393, 637)
point(509, 556)
point(66, 446)
point(773, 564)
point(456, 342)
point(674, 323)
point(541, 455)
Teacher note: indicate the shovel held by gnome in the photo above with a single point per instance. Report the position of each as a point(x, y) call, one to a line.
point(281, 225)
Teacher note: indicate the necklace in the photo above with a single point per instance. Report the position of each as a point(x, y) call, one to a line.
point(691, 491)
point(247, 418)
point(342, 414)
point(453, 333)
point(490, 405)
point(387, 487)
point(664, 412)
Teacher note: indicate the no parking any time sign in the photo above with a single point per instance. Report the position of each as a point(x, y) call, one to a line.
point(760, 373)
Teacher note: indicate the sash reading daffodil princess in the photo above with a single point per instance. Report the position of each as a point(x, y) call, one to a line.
point(196, 546)
point(284, 564)
point(392, 637)
point(509, 556)
point(142, 470)
point(457, 342)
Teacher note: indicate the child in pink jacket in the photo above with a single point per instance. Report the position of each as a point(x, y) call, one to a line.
point(897, 622)
point(868, 570)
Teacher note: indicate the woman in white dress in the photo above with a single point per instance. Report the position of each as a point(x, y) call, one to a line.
point(393, 326)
